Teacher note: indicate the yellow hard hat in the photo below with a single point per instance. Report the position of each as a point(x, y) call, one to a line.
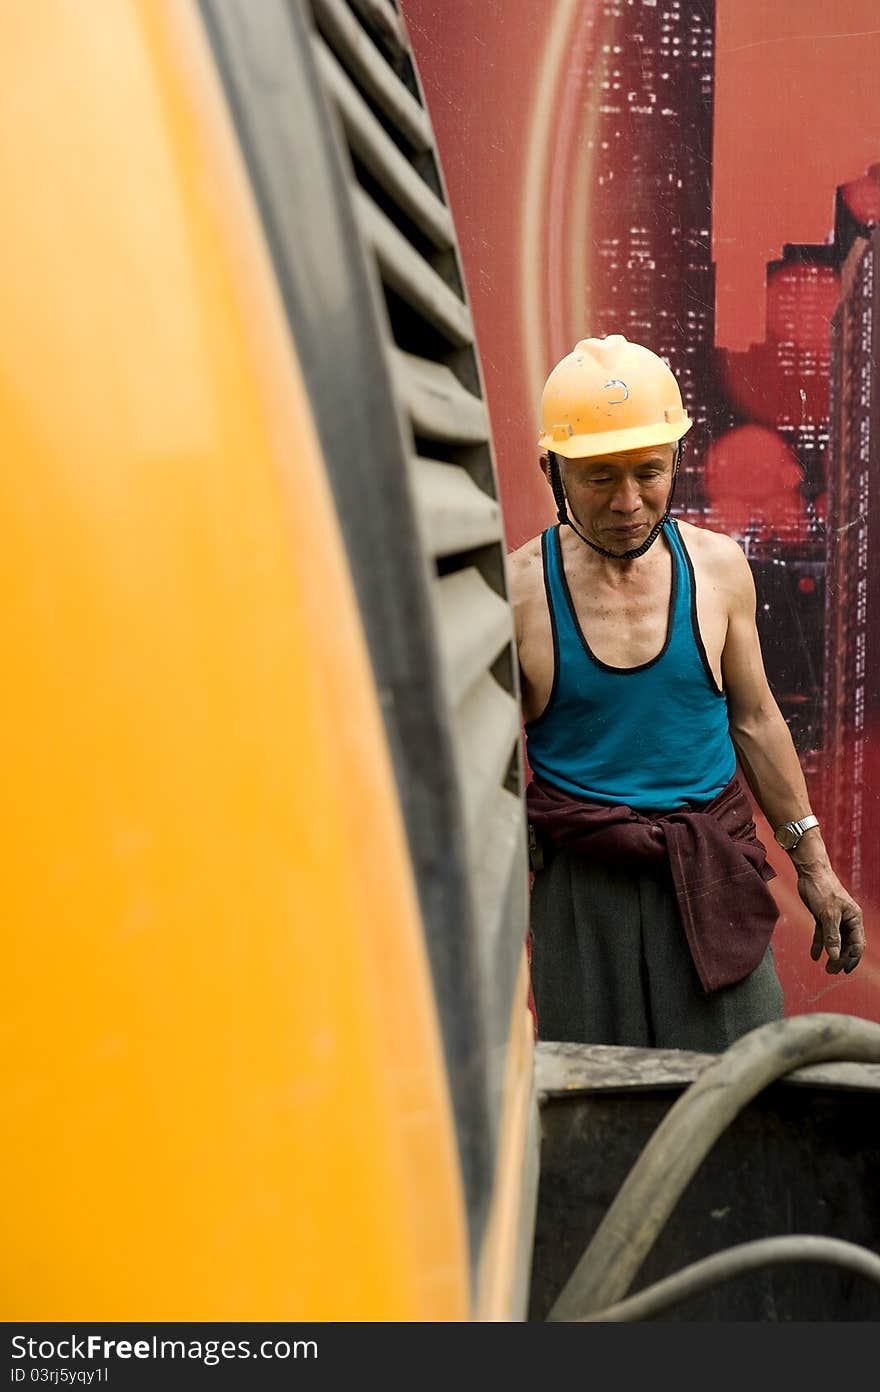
point(609, 395)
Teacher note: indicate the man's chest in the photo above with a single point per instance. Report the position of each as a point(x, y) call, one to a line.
point(630, 623)
point(622, 628)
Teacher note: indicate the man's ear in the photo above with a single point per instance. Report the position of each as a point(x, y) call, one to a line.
point(544, 461)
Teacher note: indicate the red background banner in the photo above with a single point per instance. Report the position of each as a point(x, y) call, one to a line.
point(704, 176)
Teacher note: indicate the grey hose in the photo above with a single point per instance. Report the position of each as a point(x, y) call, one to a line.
point(688, 1131)
point(746, 1256)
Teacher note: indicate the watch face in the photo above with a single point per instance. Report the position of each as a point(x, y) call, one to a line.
point(787, 838)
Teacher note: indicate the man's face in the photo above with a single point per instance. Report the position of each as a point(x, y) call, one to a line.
point(616, 500)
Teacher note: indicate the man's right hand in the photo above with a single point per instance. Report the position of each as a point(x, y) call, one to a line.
point(840, 930)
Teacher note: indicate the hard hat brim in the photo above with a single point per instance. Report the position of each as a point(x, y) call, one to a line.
point(602, 442)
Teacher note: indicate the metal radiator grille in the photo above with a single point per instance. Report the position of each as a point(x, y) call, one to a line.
point(340, 153)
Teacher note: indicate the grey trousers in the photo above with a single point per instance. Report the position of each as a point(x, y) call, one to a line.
point(610, 965)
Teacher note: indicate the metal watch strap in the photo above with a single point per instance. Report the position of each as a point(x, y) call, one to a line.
point(796, 830)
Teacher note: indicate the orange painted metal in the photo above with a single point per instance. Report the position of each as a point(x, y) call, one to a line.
point(225, 1095)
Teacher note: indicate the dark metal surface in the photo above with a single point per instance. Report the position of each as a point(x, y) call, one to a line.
point(801, 1158)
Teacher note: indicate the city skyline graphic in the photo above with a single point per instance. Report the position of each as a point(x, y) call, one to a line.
point(596, 216)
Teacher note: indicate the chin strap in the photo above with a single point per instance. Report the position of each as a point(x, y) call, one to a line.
point(562, 510)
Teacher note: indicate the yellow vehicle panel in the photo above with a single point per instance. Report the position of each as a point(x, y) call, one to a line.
point(225, 1094)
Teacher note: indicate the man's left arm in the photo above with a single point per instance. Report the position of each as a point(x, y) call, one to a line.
point(769, 760)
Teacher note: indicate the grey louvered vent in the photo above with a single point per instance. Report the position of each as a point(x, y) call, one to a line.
point(340, 153)
point(364, 61)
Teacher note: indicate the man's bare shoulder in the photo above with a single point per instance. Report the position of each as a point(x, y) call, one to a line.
point(718, 551)
point(525, 569)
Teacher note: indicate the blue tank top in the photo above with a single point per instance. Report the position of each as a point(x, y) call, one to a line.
point(653, 737)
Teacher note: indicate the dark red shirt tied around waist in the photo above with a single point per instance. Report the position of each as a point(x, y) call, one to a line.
point(719, 867)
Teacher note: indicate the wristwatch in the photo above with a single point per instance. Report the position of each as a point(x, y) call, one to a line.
point(789, 834)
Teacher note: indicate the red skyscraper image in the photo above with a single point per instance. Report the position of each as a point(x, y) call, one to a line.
point(852, 664)
point(669, 171)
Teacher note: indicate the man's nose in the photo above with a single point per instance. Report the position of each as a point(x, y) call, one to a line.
point(626, 497)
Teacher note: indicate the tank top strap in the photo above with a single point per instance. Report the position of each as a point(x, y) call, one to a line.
point(555, 583)
point(673, 536)
point(681, 617)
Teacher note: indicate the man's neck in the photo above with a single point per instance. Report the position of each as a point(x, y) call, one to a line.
point(612, 570)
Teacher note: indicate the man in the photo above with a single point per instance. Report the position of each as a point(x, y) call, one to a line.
point(642, 686)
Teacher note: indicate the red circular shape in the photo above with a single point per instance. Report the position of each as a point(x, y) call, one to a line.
point(862, 197)
point(806, 584)
point(753, 482)
point(750, 464)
